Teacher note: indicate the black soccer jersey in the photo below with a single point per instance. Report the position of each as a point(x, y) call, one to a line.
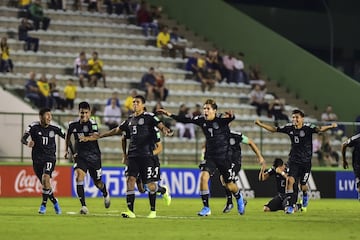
point(235, 139)
point(216, 131)
point(280, 180)
point(86, 150)
point(354, 142)
point(301, 141)
point(141, 129)
point(45, 143)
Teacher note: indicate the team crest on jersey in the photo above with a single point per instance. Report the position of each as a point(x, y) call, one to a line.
point(51, 134)
point(302, 133)
point(141, 121)
point(39, 133)
point(232, 141)
point(85, 128)
point(215, 125)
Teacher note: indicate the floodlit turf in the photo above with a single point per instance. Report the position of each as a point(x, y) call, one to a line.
point(325, 219)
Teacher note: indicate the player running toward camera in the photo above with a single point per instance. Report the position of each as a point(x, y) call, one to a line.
point(217, 133)
point(140, 153)
point(354, 142)
point(87, 156)
point(299, 163)
point(235, 139)
point(280, 171)
point(43, 154)
point(157, 148)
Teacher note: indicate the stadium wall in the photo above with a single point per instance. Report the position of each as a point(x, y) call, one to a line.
point(20, 181)
point(308, 77)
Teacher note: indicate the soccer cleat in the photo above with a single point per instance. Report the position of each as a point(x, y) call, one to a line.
point(241, 205)
point(129, 214)
point(84, 210)
point(305, 200)
point(152, 214)
point(42, 209)
point(289, 210)
point(167, 197)
point(228, 208)
point(205, 211)
point(57, 207)
point(107, 200)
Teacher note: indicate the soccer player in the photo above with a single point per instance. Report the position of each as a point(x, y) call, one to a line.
point(140, 153)
point(299, 163)
point(43, 154)
point(87, 156)
point(235, 139)
point(163, 190)
point(217, 133)
point(280, 171)
point(354, 142)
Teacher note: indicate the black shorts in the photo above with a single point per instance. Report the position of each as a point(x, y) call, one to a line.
point(156, 172)
point(277, 203)
point(45, 167)
point(142, 167)
point(94, 168)
point(223, 165)
point(299, 171)
point(235, 169)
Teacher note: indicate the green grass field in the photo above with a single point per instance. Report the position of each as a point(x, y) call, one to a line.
point(325, 219)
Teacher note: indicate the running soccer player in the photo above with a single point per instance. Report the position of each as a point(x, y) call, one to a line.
point(43, 154)
point(217, 133)
point(353, 142)
point(235, 139)
point(87, 156)
point(163, 190)
point(299, 163)
point(280, 171)
point(140, 153)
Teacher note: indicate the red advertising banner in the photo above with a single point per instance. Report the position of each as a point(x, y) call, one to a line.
point(21, 181)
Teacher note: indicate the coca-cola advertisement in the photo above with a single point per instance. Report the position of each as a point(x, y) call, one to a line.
point(21, 181)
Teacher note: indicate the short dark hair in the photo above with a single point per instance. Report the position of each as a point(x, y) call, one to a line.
point(43, 111)
point(298, 111)
point(84, 105)
point(278, 162)
point(141, 98)
point(212, 103)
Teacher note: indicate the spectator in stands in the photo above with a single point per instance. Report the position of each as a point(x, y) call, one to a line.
point(6, 64)
point(331, 157)
point(128, 103)
point(148, 83)
point(36, 13)
point(257, 99)
point(329, 116)
point(205, 75)
point(177, 45)
point(57, 4)
point(70, 92)
point(197, 111)
point(255, 72)
point(239, 67)
point(229, 63)
point(276, 109)
point(186, 130)
point(316, 144)
point(96, 70)
point(145, 20)
point(160, 91)
point(94, 5)
point(191, 64)
point(30, 42)
point(163, 41)
point(114, 96)
point(215, 62)
point(44, 91)
point(112, 115)
point(24, 4)
point(32, 91)
point(81, 68)
point(57, 100)
point(117, 6)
